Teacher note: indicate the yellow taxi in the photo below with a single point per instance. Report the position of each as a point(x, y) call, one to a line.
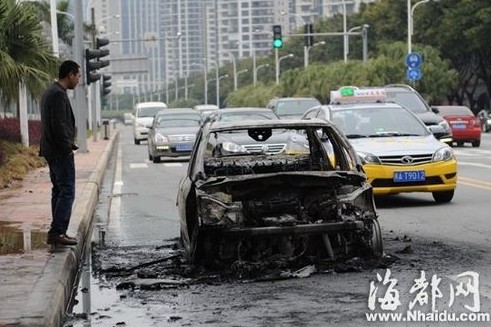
point(398, 152)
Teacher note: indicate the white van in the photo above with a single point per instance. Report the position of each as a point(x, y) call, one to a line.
point(144, 113)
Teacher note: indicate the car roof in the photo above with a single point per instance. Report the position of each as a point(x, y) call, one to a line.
point(173, 111)
point(150, 104)
point(290, 123)
point(244, 109)
point(296, 98)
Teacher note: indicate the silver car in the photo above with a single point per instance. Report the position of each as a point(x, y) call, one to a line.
point(173, 133)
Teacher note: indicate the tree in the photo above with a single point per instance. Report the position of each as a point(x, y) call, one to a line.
point(24, 55)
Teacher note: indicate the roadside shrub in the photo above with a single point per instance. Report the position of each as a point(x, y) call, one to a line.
point(17, 162)
point(10, 130)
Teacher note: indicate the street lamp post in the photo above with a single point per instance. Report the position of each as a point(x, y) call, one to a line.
point(240, 72)
point(205, 78)
point(217, 84)
point(345, 33)
point(410, 12)
point(218, 87)
point(256, 70)
point(290, 55)
point(364, 35)
point(306, 59)
point(234, 65)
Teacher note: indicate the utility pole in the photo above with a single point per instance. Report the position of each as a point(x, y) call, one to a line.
point(80, 101)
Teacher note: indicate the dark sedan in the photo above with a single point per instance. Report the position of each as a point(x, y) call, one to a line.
point(173, 133)
point(310, 199)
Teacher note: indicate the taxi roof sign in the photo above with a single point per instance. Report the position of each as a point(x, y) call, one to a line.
point(355, 95)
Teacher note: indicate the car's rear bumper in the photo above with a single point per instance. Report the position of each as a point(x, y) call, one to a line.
point(168, 150)
point(467, 135)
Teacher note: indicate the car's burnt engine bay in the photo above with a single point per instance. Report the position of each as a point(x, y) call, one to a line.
point(284, 215)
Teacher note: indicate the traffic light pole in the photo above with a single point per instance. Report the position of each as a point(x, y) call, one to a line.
point(93, 89)
point(80, 100)
point(277, 65)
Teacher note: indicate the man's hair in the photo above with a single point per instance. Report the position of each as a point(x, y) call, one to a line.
point(67, 67)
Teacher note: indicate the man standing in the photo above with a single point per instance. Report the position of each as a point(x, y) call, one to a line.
point(57, 147)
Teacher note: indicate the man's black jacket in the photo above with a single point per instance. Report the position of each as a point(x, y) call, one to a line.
point(57, 122)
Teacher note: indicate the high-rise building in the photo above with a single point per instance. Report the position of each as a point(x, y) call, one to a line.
point(155, 42)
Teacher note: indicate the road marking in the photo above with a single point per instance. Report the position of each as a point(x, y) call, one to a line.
point(173, 164)
point(138, 165)
point(115, 205)
point(474, 183)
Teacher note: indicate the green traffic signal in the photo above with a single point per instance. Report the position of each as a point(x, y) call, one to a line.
point(278, 43)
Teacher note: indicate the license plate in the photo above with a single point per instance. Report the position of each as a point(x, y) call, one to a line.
point(458, 126)
point(409, 176)
point(184, 147)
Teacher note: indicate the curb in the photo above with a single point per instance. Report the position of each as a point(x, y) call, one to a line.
point(52, 291)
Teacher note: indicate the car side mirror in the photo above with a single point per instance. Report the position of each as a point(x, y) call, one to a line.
point(435, 110)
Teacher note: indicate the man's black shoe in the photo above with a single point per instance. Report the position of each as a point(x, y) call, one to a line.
point(61, 240)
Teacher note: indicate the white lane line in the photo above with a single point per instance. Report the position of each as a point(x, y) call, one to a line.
point(138, 165)
point(173, 164)
point(115, 206)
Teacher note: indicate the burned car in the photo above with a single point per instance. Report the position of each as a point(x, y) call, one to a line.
point(309, 198)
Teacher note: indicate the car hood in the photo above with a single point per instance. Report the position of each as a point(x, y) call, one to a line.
point(177, 130)
point(429, 118)
point(386, 146)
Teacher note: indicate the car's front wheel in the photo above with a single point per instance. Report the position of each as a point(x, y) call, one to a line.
point(476, 143)
point(443, 197)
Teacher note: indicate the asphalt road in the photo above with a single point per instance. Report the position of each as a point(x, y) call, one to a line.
point(139, 221)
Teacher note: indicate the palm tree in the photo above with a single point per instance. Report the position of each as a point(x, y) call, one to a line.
point(25, 57)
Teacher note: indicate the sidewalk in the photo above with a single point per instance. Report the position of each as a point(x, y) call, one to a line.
point(35, 284)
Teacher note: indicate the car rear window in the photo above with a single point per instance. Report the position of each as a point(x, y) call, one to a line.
point(410, 100)
point(455, 110)
point(148, 111)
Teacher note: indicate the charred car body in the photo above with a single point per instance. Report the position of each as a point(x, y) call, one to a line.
point(241, 201)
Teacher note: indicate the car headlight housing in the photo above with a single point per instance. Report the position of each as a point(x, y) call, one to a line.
point(443, 154)
point(368, 158)
point(446, 127)
point(159, 138)
point(233, 147)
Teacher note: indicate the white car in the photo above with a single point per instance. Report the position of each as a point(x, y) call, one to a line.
point(143, 118)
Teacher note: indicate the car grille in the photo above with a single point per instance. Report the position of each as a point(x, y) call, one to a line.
point(406, 160)
point(182, 138)
point(265, 148)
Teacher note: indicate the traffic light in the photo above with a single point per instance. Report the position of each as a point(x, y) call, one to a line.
point(106, 85)
point(104, 52)
point(277, 38)
point(309, 38)
point(93, 60)
point(91, 66)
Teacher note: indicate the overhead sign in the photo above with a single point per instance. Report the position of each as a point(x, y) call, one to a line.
point(414, 60)
point(413, 74)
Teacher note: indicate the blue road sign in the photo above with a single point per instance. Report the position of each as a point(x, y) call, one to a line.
point(414, 60)
point(413, 74)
